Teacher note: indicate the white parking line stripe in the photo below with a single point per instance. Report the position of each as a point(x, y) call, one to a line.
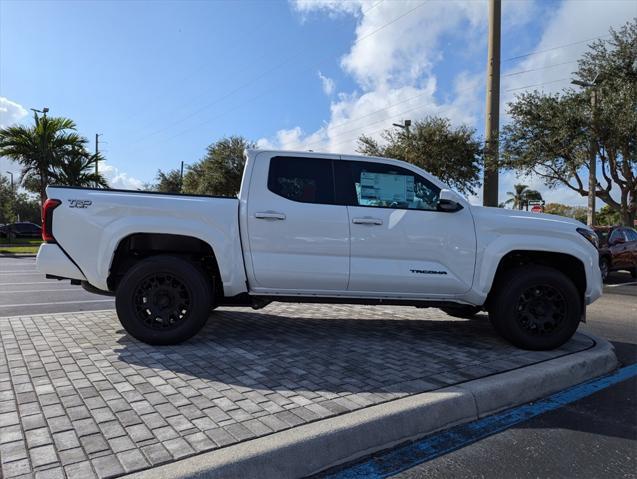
point(21, 273)
point(54, 303)
point(42, 290)
point(36, 282)
point(621, 284)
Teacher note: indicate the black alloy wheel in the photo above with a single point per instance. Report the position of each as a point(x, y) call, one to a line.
point(535, 307)
point(541, 309)
point(164, 299)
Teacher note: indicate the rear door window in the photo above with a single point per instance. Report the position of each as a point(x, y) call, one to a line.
point(306, 180)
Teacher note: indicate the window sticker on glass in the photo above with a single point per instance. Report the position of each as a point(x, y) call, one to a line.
point(383, 188)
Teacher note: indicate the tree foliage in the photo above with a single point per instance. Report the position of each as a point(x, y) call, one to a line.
point(453, 154)
point(166, 182)
point(551, 135)
point(608, 216)
point(77, 168)
point(16, 206)
point(520, 198)
point(49, 151)
point(576, 212)
point(219, 172)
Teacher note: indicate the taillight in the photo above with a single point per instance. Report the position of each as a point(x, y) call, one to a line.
point(47, 219)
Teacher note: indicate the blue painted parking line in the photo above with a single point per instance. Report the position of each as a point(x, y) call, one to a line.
point(402, 458)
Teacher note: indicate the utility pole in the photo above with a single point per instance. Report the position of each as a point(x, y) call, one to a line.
point(97, 151)
point(592, 162)
point(181, 178)
point(11, 175)
point(492, 123)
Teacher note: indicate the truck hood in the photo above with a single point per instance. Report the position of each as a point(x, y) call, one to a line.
point(496, 218)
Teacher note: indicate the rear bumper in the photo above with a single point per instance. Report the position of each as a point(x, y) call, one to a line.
point(52, 260)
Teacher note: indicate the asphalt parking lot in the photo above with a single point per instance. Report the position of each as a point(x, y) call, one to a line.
point(25, 291)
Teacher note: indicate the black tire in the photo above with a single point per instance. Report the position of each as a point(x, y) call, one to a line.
point(535, 307)
point(164, 300)
point(604, 267)
point(464, 311)
point(633, 272)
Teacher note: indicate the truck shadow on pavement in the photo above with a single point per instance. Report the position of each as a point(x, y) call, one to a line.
point(378, 351)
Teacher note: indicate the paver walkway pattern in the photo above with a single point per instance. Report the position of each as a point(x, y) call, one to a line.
point(81, 398)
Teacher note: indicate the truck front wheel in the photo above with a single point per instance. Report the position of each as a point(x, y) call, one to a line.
point(535, 307)
point(164, 300)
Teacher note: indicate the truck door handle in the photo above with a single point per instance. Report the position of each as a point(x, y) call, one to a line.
point(367, 221)
point(269, 215)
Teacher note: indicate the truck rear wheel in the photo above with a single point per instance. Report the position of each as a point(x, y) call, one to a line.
point(535, 307)
point(164, 300)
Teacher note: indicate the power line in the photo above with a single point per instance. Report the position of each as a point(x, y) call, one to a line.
point(275, 67)
point(537, 84)
point(279, 65)
point(555, 48)
point(520, 72)
point(236, 45)
point(407, 111)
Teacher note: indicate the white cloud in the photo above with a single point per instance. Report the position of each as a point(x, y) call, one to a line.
point(327, 83)
point(391, 59)
point(10, 112)
point(119, 179)
point(396, 50)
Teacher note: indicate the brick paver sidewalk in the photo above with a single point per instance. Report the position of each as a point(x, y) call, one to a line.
point(80, 398)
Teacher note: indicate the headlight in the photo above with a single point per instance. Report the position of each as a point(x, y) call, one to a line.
point(590, 235)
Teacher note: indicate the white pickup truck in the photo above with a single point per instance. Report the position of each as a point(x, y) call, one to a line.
point(310, 227)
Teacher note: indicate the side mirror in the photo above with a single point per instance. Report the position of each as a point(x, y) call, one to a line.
point(618, 240)
point(449, 202)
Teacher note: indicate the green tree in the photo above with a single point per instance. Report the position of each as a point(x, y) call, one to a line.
point(220, 171)
point(77, 168)
point(576, 212)
point(453, 154)
point(520, 198)
point(7, 201)
point(27, 208)
point(550, 135)
point(40, 148)
point(607, 216)
point(166, 182)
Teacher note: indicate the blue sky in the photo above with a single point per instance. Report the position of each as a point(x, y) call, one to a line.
point(162, 80)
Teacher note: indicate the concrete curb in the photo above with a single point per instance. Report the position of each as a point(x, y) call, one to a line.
point(15, 255)
point(308, 449)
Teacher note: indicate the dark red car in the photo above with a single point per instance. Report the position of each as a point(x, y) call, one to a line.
point(617, 249)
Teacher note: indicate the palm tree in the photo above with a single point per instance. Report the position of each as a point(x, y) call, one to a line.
point(521, 196)
point(40, 148)
point(77, 168)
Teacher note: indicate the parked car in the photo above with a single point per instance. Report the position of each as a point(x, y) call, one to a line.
point(617, 250)
point(312, 227)
point(21, 230)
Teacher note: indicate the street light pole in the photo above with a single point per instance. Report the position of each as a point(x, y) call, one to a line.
point(11, 175)
point(592, 162)
point(405, 126)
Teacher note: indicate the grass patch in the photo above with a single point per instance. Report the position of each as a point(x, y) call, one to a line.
point(4, 249)
point(21, 241)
